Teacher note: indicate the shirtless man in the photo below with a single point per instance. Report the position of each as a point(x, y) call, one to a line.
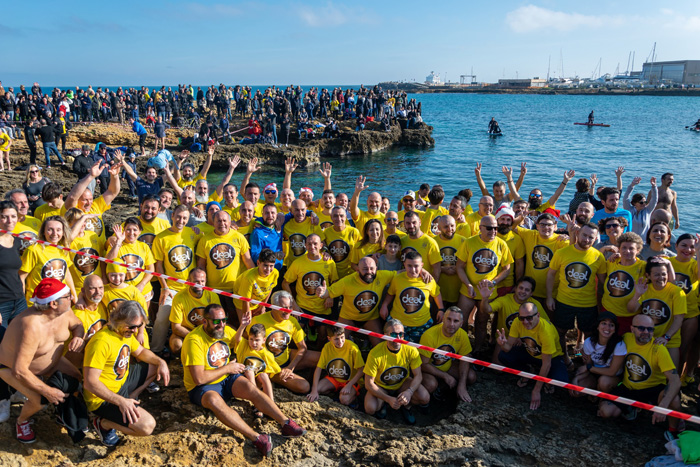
point(32, 348)
point(667, 198)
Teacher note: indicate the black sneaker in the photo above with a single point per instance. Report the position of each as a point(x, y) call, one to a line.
point(408, 415)
point(108, 437)
point(381, 413)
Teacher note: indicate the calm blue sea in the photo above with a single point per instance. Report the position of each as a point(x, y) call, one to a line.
point(646, 136)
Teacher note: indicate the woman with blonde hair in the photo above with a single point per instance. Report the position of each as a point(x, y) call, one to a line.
point(33, 185)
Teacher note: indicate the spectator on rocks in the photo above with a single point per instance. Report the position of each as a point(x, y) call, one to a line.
point(138, 128)
point(30, 139)
point(159, 130)
point(33, 184)
point(47, 133)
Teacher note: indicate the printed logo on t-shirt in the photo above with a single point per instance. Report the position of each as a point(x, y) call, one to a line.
point(684, 282)
point(393, 375)
point(94, 327)
point(577, 274)
point(484, 261)
point(217, 354)
point(84, 263)
point(658, 310)
point(338, 369)
point(297, 243)
point(510, 318)
point(147, 238)
point(638, 369)
point(531, 345)
point(196, 316)
point(180, 257)
point(412, 299)
point(132, 260)
point(222, 255)
point(54, 269)
point(541, 256)
point(24, 244)
point(94, 225)
point(449, 256)
point(112, 305)
point(620, 284)
point(366, 301)
point(326, 224)
point(438, 359)
point(121, 364)
point(254, 364)
point(277, 342)
point(406, 250)
point(311, 281)
point(339, 250)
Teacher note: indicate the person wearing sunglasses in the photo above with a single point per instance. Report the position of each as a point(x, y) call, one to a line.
point(649, 376)
point(539, 348)
point(393, 376)
point(482, 257)
point(614, 227)
point(535, 204)
point(212, 378)
point(611, 208)
point(113, 383)
point(485, 209)
point(41, 333)
point(639, 206)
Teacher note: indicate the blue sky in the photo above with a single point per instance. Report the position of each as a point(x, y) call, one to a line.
point(332, 42)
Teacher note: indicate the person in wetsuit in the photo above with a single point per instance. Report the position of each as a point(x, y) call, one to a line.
point(590, 118)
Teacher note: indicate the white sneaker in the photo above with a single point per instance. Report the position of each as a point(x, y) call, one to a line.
point(4, 410)
point(18, 398)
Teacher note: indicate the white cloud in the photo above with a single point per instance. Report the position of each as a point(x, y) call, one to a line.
point(681, 23)
point(331, 16)
point(532, 18)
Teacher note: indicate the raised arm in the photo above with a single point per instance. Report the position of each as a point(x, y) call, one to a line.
point(359, 187)
point(326, 173)
point(127, 168)
point(81, 186)
point(626, 203)
point(521, 178)
point(654, 197)
point(290, 165)
point(207, 163)
point(480, 181)
point(562, 186)
point(508, 172)
point(252, 167)
point(618, 174)
point(232, 164)
point(594, 181)
point(172, 181)
point(114, 184)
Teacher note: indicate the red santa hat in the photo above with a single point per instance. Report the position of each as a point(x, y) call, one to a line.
point(306, 189)
point(49, 290)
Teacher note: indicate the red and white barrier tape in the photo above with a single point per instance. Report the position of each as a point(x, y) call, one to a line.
point(524, 374)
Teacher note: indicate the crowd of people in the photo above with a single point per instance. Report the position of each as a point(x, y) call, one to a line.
point(516, 273)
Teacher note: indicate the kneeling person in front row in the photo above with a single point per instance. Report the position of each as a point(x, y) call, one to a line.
point(540, 348)
point(387, 376)
point(111, 384)
point(211, 379)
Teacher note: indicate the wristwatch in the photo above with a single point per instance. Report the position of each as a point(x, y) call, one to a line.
point(667, 337)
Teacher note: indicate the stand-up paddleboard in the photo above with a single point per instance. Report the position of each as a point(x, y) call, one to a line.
point(493, 135)
point(691, 128)
point(592, 124)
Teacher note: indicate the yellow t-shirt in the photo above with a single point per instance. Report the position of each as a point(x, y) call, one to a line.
point(278, 335)
point(27, 229)
point(252, 285)
point(517, 249)
point(449, 284)
point(358, 252)
point(543, 339)
point(188, 310)
point(464, 230)
point(256, 360)
point(99, 206)
point(664, 305)
point(430, 217)
point(483, 260)
point(425, 246)
point(212, 197)
point(137, 254)
point(324, 220)
point(84, 266)
point(361, 301)
point(200, 349)
point(645, 365)
point(687, 279)
point(366, 216)
point(112, 297)
point(388, 369)
point(40, 262)
point(182, 183)
point(223, 254)
point(151, 229)
point(577, 272)
point(396, 232)
point(257, 212)
point(233, 212)
point(539, 252)
point(93, 320)
point(402, 215)
point(341, 364)
point(309, 275)
point(412, 299)
point(619, 286)
point(458, 343)
point(294, 234)
point(176, 251)
point(473, 220)
point(507, 309)
point(339, 246)
point(45, 210)
point(109, 352)
point(5, 142)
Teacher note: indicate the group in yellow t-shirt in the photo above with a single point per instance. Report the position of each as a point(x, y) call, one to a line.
point(200, 349)
point(483, 261)
point(411, 303)
point(458, 344)
point(390, 369)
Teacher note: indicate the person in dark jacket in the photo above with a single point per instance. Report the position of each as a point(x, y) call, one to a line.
point(47, 133)
point(30, 139)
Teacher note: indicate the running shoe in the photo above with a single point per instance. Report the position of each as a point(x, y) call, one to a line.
point(152, 388)
point(108, 437)
point(18, 398)
point(408, 415)
point(263, 443)
point(292, 430)
point(25, 434)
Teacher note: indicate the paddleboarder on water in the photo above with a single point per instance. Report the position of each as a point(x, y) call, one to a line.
point(590, 118)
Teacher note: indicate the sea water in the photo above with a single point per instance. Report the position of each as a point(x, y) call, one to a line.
point(646, 136)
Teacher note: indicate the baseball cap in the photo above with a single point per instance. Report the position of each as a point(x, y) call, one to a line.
point(410, 194)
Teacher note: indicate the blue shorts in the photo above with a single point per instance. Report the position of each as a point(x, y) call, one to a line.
point(413, 334)
point(224, 388)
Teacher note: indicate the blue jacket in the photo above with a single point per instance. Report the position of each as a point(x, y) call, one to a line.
point(139, 129)
point(265, 237)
